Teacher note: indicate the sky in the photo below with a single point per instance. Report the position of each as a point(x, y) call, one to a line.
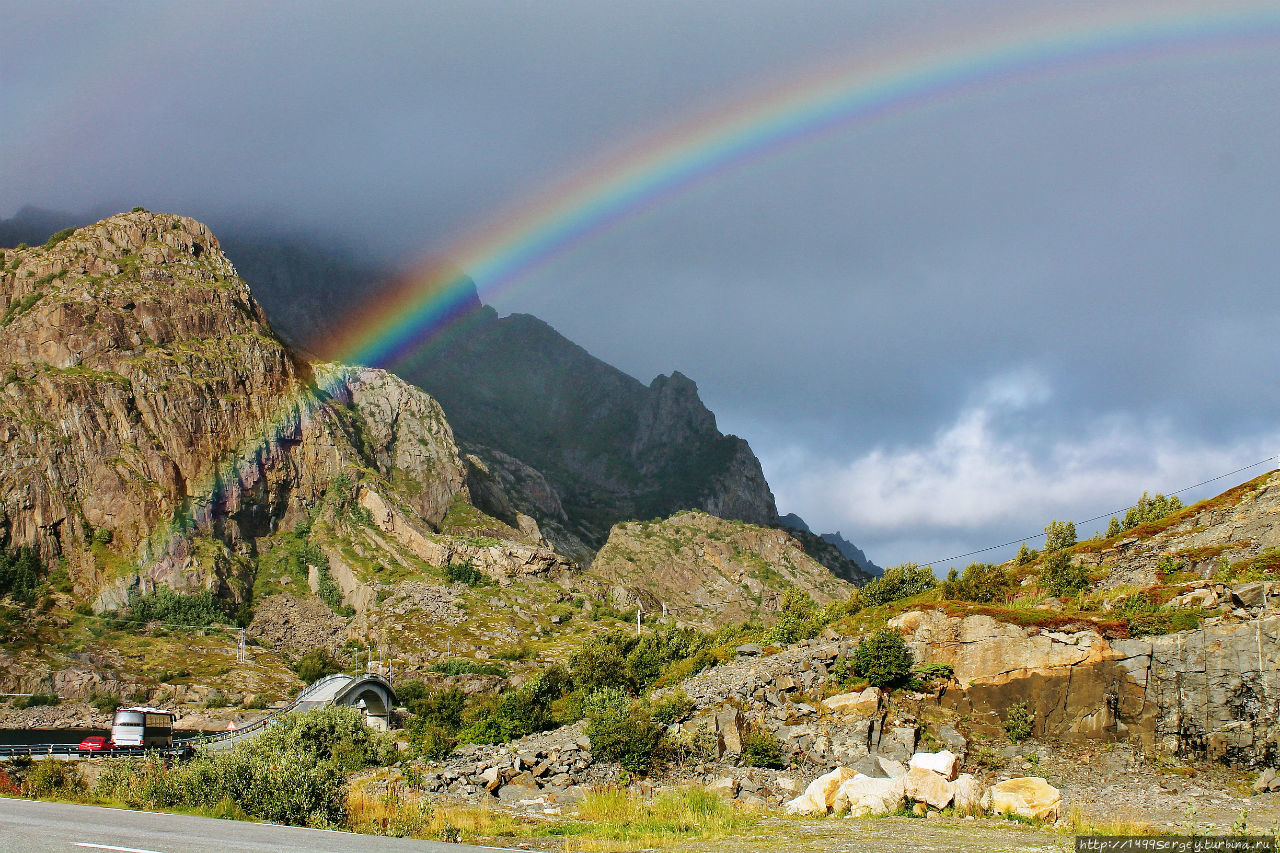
point(938, 329)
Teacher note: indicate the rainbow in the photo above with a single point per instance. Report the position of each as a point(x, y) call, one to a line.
point(422, 304)
point(435, 300)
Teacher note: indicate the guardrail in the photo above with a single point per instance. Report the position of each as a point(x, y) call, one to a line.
point(35, 750)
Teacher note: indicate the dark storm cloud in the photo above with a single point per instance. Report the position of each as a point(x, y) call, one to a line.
point(1027, 302)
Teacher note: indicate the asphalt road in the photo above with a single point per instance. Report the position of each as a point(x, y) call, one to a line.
point(26, 826)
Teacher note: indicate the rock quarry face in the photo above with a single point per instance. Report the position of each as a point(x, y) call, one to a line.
point(707, 570)
point(1205, 694)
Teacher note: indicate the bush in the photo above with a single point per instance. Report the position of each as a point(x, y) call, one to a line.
point(673, 707)
point(315, 665)
point(1025, 556)
point(36, 700)
point(430, 742)
point(1061, 577)
point(931, 671)
point(104, 703)
point(601, 663)
point(458, 666)
point(58, 236)
point(1018, 722)
point(464, 573)
point(761, 748)
point(897, 583)
point(981, 582)
point(621, 730)
point(175, 608)
point(52, 778)
point(798, 618)
point(883, 659)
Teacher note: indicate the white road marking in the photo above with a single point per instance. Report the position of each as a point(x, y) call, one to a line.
point(111, 847)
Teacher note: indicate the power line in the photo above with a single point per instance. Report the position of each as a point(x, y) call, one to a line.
point(1041, 534)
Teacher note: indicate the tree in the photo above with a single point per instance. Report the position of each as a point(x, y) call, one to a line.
point(1059, 576)
point(1114, 528)
point(883, 659)
point(982, 582)
point(1059, 535)
point(897, 583)
point(1026, 555)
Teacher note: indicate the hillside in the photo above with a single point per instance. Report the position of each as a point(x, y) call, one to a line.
point(706, 570)
point(160, 438)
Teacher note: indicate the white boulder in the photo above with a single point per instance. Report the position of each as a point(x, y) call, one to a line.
point(928, 787)
point(944, 763)
point(967, 793)
point(864, 796)
point(1027, 796)
point(821, 793)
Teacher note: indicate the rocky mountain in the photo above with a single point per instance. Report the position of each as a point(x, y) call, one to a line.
point(155, 428)
point(706, 570)
point(610, 447)
point(845, 551)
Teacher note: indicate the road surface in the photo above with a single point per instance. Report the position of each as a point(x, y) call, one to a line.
point(26, 826)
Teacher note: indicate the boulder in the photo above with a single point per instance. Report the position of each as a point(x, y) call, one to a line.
point(1251, 595)
point(1028, 796)
point(821, 793)
point(863, 796)
point(749, 650)
point(725, 786)
point(729, 732)
point(928, 787)
point(944, 763)
point(967, 794)
point(864, 703)
point(1264, 780)
point(892, 769)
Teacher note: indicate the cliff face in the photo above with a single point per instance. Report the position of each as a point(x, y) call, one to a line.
point(154, 427)
point(708, 571)
point(610, 448)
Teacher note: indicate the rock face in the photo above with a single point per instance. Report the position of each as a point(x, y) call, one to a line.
point(612, 448)
point(1236, 525)
point(1203, 694)
point(706, 570)
point(154, 427)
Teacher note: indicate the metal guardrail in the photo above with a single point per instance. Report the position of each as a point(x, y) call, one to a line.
point(33, 750)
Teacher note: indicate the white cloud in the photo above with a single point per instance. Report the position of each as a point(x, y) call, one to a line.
point(992, 472)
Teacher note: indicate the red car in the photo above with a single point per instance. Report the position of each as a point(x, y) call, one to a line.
point(95, 743)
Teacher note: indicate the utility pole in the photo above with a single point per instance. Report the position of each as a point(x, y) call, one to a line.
point(637, 620)
point(242, 653)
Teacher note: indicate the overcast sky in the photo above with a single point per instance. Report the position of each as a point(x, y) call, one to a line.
point(938, 331)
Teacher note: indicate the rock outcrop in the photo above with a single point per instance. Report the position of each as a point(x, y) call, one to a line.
point(1203, 694)
point(706, 570)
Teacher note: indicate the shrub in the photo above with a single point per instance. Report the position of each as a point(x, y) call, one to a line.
point(175, 608)
point(1061, 577)
point(761, 748)
point(464, 573)
point(430, 742)
point(515, 713)
point(315, 665)
point(1018, 721)
point(58, 236)
point(897, 583)
point(601, 663)
point(36, 700)
point(930, 671)
point(673, 707)
point(621, 730)
point(883, 659)
point(981, 582)
point(52, 778)
point(798, 618)
point(1025, 555)
point(104, 703)
point(459, 666)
